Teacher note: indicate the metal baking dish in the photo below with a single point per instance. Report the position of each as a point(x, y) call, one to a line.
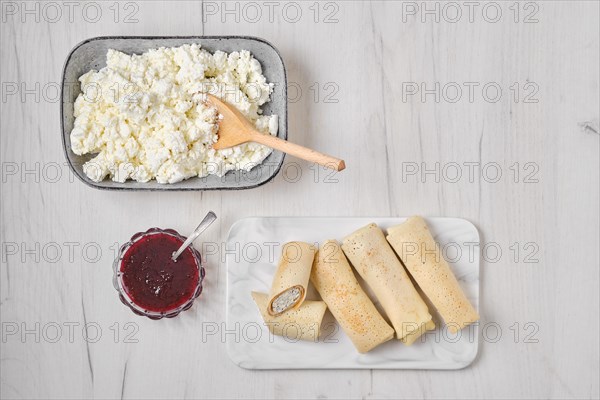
point(91, 54)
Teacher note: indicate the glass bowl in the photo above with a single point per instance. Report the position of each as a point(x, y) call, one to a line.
point(120, 287)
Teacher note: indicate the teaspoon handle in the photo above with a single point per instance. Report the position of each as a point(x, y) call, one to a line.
point(206, 222)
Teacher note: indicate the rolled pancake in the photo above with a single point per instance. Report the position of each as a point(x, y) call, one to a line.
point(378, 265)
point(291, 279)
point(333, 278)
point(421, 255)
point(302, 323)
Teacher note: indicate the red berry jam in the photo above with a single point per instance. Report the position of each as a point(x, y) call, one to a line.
point(152, 280)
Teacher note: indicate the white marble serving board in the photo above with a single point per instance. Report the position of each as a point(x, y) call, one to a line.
point(254, 248)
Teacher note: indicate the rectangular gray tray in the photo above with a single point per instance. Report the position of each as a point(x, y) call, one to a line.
point(91, 54)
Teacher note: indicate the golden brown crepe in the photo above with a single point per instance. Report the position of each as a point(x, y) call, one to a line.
point(421, 255)
point(376, 262)
point(302, 323)
point(415, 332)
point(333, 278)
point(291, 279)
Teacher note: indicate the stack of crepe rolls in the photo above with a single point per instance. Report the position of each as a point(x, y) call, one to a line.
point(333, 278)
point(291, 279)
point(302, 323)
point(286, 313)
point(376, 262)
point(284, 309)
point(421, 255)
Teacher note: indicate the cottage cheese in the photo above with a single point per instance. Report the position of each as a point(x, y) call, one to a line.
point(285, 300)
point(144, 117)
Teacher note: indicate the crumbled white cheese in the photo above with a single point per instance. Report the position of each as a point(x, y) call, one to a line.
point(144, 117)
point(285, 300)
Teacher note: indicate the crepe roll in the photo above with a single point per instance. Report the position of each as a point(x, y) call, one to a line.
point(421, 255)
point(333, 278)
point(378, 265)
point(415, 331)
point(302, 323)
point(291, 279)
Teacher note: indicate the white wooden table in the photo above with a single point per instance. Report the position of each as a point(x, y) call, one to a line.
point(397, 92)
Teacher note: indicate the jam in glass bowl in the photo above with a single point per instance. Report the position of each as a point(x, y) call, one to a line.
point(149, 282)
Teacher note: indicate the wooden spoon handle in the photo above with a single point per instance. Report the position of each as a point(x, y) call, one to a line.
point(299, 151)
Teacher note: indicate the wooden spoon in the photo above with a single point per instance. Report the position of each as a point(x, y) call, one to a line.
point(235, 129)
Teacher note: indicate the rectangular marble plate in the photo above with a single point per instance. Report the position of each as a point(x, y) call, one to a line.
point(252, 252)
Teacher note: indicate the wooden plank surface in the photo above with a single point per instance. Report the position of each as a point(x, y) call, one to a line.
point(426, 107)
